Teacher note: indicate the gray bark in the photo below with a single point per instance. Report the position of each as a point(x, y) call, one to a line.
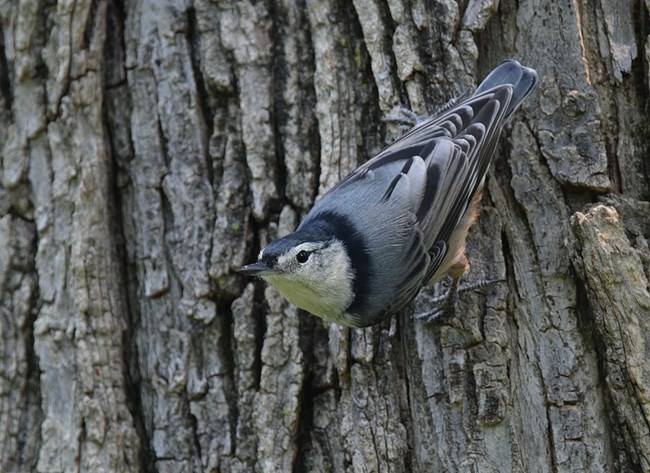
point(149, 148)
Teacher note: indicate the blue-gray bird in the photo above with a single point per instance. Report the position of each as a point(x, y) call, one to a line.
point(399, 221)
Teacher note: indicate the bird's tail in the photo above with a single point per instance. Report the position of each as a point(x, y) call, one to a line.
point(522, 78)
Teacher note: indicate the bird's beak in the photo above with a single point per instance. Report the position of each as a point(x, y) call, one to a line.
point(258, 268)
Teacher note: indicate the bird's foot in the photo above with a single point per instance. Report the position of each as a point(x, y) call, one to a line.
point(443, 312)
point(447, 301)
point(452, 102)
point(403, 117)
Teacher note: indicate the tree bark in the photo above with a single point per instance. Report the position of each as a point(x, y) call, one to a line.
point(149, 148)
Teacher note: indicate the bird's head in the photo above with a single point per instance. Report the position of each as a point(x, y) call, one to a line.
point(312, 272)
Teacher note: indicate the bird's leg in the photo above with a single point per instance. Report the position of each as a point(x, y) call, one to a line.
point(464, 288)
point(452, 102)
point(404, 117)
point(445, 310)
point(407, 118)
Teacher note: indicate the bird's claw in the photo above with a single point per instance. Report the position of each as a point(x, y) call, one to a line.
point(404, 117)
point(444, 312)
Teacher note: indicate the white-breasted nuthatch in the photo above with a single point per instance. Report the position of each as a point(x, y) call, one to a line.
point(400, 220)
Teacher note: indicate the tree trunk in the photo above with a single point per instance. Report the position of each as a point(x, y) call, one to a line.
point(149, 148)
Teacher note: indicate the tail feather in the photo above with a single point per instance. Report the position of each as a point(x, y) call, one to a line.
point(523, 80)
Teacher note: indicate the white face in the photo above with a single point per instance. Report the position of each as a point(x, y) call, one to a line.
point(315, 276)
point(303, 260)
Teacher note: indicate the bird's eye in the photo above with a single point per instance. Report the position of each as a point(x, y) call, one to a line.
point(302, 256)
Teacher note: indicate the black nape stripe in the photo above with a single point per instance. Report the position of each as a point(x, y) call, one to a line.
point(342, 228)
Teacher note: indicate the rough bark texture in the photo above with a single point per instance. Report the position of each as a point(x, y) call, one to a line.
point(148, 148)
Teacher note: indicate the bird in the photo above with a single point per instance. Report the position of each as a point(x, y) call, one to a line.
point(400, 220)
